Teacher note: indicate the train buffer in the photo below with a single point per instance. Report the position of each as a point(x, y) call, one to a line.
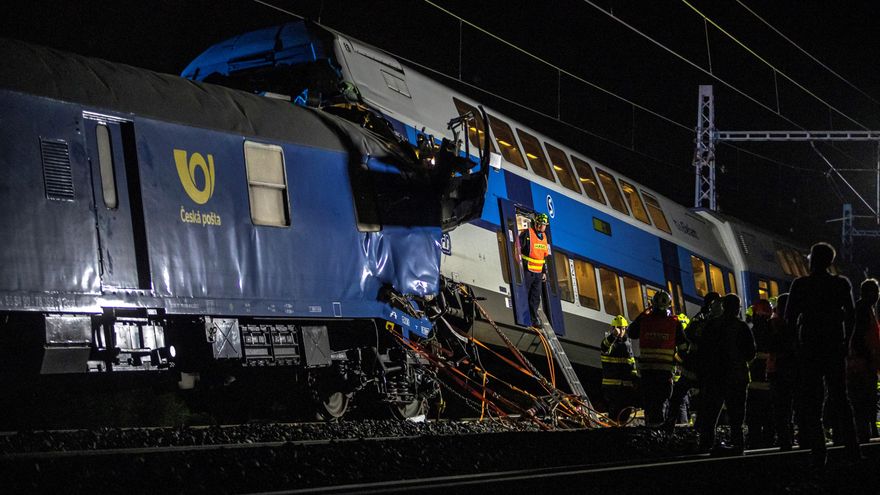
point(562, 359)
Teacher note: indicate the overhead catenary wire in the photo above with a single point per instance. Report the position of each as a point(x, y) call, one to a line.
point(775, 69)
point(805, 52)
point(556, 119)
point(710, 74)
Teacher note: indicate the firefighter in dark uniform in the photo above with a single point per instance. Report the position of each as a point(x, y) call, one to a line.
point(782, 373)
point(535, 248)
point(659, 334)
point(683, 381)
point(759, 418)
point(863, 361)
point(619, 374)
point(728, 347)
point(820, 308)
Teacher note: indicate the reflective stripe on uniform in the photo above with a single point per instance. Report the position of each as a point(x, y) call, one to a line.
point(762, 355)
point(759, 386)
point(616, 383)
point(622, 360)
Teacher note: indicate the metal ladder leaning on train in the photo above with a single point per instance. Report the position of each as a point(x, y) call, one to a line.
point(422, 244)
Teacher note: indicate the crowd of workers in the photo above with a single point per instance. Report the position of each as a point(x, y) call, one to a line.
point(808, 358)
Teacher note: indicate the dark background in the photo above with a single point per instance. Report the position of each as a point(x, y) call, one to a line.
point(783, 187)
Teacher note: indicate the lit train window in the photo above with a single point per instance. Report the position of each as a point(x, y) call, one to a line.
point(105, 160)
point(632, 290)
point(535, 154)
point(610, 292)
point(588, 180)
point(506, 142)
point(588, 290)
point(562, 168)
point(782, 259)
point(267, 184)
point(635, 202)
point(563, 274)
point(717, 279)
point(601, 226)
point(731, 282)
point(475, 129)
point(763, 289)
point(699, 276)
point(774, 288)
point(656, 213)
point(612, 191)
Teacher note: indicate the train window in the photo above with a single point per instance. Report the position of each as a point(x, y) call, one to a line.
point(588, 291)
point(610, 292)
point(797, 269)
point(802, 262)
point(635, 202)
point(506, 142)
point(632, 290)
point(782, 259)
point(563, 275)
point(535, 154)
point(601, 226)
point(717, 279)
point(763, 289)
point(105, 160)
point(562, 168)
point(656, 213)
point(502, 250)
point(649, 294)
point(700, 276)
point(612, 191)
point(475, 129)
point(731, 282)
point(267, 184)
point(588, 179)
point(774, 288)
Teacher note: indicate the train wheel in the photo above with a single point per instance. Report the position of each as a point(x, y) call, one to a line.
point(418, 407)
point(334, 405)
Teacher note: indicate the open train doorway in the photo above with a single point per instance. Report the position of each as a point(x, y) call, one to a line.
point(515, 219)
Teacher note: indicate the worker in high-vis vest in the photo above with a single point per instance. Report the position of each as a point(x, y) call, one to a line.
point(659, 334)
point(619, 373)
point(535, 249)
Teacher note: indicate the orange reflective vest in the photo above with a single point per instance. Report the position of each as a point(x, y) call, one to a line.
point(538, 250)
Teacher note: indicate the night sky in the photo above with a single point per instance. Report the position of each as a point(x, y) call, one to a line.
point(787, 192)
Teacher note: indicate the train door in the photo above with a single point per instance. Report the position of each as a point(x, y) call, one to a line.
point(515, 219)
point(119, 210)
point(672, 271)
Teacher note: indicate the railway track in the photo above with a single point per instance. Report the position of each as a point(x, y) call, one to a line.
point(681, 474)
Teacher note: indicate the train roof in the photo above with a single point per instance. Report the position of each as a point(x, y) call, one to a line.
point(110, 86)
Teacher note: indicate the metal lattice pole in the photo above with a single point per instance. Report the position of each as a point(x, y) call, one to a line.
point(704, 155)
point(846, 234)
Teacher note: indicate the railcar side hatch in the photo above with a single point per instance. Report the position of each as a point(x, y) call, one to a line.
point(118, 206)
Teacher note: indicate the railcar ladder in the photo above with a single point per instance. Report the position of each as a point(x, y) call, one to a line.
point(560, 357)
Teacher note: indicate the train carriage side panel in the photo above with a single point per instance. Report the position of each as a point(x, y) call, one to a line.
point(319, 265)
point(47, 226)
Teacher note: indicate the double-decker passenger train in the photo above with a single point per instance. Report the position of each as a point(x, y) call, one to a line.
point(146, 215)
point(614, 241)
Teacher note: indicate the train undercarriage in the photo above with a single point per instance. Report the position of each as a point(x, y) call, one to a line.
point(333, 364)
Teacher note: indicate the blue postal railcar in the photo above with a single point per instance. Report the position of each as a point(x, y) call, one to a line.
point(149, 220)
